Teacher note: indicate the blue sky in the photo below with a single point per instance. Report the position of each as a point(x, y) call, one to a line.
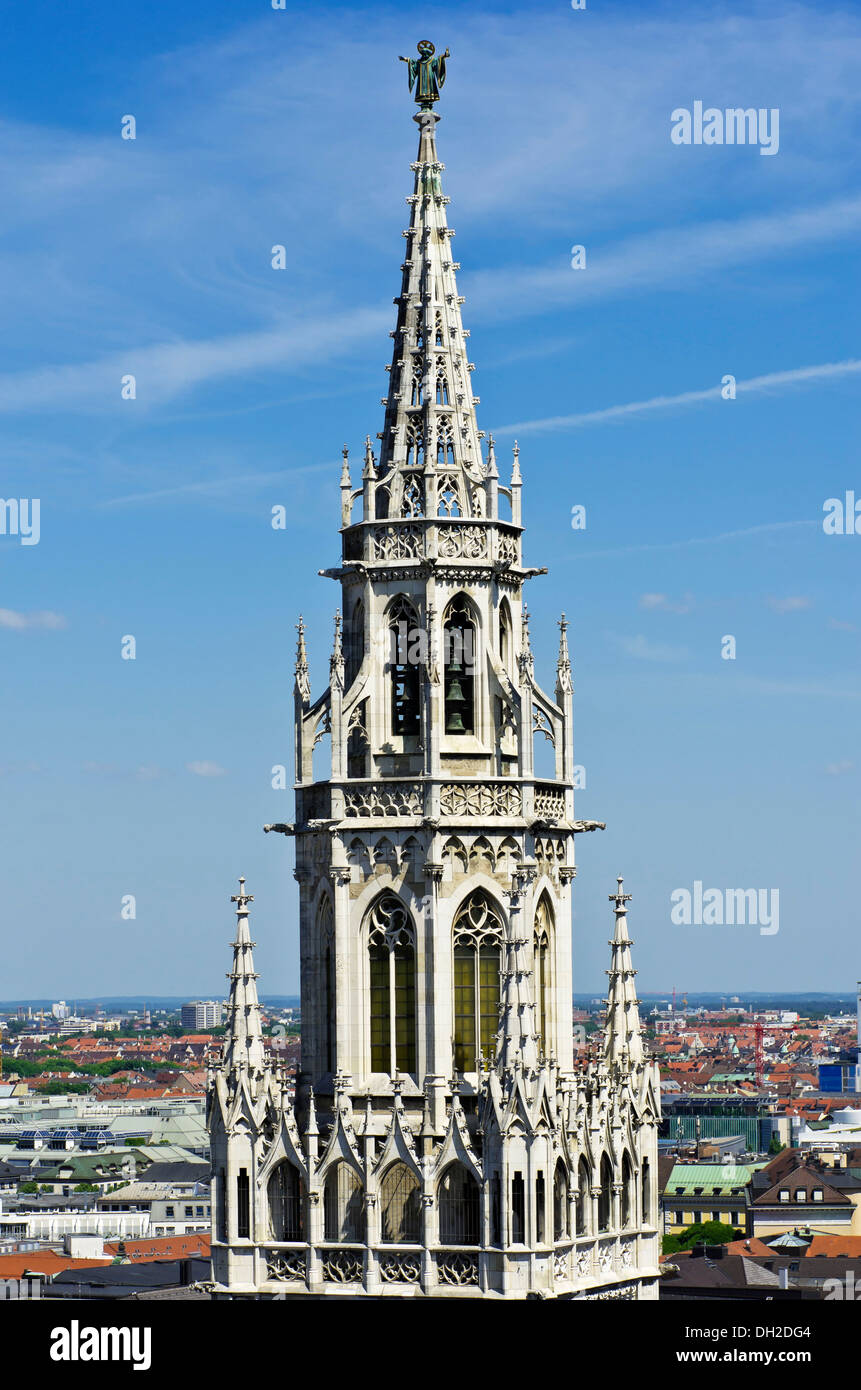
point(704, 515)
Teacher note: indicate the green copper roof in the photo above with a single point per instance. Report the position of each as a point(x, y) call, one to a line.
point(729, 1177)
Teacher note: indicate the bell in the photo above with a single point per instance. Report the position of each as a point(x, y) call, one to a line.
point(455, 724)
point(455, 694)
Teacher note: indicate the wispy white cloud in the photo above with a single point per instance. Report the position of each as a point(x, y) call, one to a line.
point(793, 603)
point(744, 533)
point(770, 382)
point(215, 487)
point(166, 370)
point(838, 769)
point(645, 650)
point(18, 622)
point(839, 625)
point(667, 605)
point(205, 769)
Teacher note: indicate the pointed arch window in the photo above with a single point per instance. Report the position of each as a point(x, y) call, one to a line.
point(382, 497)
point(646, 1193)
point(243, 1205)
point(415, 443)
point(358, 743)
point(400, 1206)
point(628, 1192)
point(286, 1205)
point(560, 1202)
point(326, 939)
point(541, 970)
point(414, 498)
point(478, 936)
point(583, 1208)
point(442, 388)
point(459, 1210)
point(605, 1199)
point(459, 658)
point(343, 1205)
point(417, 381)
point(405, 669)
point(354, 643)
point(505, 647)
point(437, 329)
point(392, 954)
point(449, 499)
point(444, 443)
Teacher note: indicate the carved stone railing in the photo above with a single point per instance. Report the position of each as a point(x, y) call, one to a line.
point(286, 1265)
point(392, 541)
point(549, 801)
point(343, 1266)
point(383, 799)
point(451, 538)
point(400, 1267)
point(508, 545)
point(479, 799)
point(457, 1267)
point(463, 542)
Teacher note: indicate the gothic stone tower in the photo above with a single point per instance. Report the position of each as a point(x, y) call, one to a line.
point(442, 1141)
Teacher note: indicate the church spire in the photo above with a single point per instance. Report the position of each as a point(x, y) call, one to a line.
point(430, 455)
point(623, 1042)
point(244, 1050)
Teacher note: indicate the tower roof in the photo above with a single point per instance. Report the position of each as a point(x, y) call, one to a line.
point(623, 1042)
point(244, 1047)
point(430, 425)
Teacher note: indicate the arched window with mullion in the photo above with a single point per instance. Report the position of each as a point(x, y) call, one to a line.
point(541, 971)
point(477, 943)
point(459, 658)
point(405, 667)
point(392, 961)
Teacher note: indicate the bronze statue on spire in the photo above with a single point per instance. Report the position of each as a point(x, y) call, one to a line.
point(427, 72)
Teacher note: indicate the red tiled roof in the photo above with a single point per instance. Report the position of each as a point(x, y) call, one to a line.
point(43, 1262)
point(162, 1247)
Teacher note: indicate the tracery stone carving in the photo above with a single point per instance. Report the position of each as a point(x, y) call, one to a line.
point(467, 541)
point(285, 1265)
point(549, 802)
point(384, 799)
point(482, 799)
point(397, 542)
point(506, 547)
point(457, 1269)
point(343, 1266)
point(401, 1269)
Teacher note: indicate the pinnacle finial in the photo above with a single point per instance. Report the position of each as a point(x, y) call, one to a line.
point(563, 661)
point(620, 898)
point(492, 471)
point(303, 682)
point(516, 476)
point(336, 663)
point(241, 898)
point(369, 470)
point(345, 468)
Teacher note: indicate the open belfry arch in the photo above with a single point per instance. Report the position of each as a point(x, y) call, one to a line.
point(442, 1141)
